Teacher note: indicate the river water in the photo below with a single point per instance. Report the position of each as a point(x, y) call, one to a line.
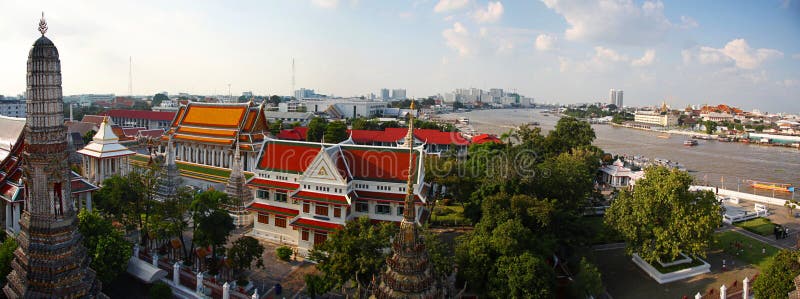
point(711, 162)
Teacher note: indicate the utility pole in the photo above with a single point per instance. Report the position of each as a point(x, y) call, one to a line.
point(291, 92)
point(130, 76)
point(230, 96)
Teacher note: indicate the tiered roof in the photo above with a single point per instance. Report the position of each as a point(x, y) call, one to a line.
point(220, 124)
point(105, 144)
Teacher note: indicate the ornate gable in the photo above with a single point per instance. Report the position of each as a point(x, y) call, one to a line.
point(323, 169)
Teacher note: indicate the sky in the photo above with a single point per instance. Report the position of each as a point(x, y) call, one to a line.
point(739, 52)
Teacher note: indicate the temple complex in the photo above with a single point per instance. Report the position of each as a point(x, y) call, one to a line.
point(104, 157)
point(203, 133)
point(409, 274)
point(50, 262)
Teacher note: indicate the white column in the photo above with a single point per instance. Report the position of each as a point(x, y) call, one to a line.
point(8, 216)
point(15, 214)
point(723, 292)
point(155, 260)
point(746, 286)
point(226, 291)
point(199, 287)
point(176, 274)
point(136, 250)
point(89, 201)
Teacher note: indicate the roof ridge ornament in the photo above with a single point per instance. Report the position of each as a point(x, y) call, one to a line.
point(42, 25)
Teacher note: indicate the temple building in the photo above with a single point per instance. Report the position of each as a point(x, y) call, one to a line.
point(104, 157)
point(50, 262)
point(205, 132)
point(306, 190)
point(409, 273)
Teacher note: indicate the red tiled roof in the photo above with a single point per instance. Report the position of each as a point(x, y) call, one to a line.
point(151, 133)
point(286, 156)
point(132, 131)
point(316, 224)
point(141, 114)
point(7, 191)
point(321, 197)
point(438, 137)
point(367, 136)
point(261, 182)
point(95, 119)
point(484, 138)
point(260, 207)
point(390, 135)
point(296, 134)
point(380, 164)
point(80, 186)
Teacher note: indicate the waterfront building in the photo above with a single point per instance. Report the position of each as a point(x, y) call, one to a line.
point(203, 133)
point(664, 119)
point(141, 118)
point(50, 262)
point(12, 108)
point(104, 157)
point(717, 116)
point(618, 176)
point(305, 190)
point(409, 274)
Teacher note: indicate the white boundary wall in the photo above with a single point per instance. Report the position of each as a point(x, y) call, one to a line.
point(663, 278)
point(742, 195)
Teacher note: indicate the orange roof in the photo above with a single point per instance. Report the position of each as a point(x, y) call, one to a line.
point(203, 139)
point(287, 156)
point(214, 115)
point(207, 131)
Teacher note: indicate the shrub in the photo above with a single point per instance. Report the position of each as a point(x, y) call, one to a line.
point(447, 201)
point(160, 290)
point(284, 253)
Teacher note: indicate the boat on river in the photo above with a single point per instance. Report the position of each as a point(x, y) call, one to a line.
point(690, 142)
point(771, 186)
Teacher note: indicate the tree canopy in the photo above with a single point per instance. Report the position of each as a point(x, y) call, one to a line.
point(777, 279)
point(661, 218)
point(108, 249)
point(7, 249)
point(336, 132)
point(353, 252)
point(245, 252)
point(158, 98)
point(316, 129)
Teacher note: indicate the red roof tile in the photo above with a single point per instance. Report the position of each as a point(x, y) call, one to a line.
point(141, 114)
point(438, 137)
point(260, 207)
point(484, 138)
point(380, 164)
point(132, 131)
point(94, 119)
point(286, 156)
point(316, 224)
point(261, 182)
point(321, 197)
point(390, 135)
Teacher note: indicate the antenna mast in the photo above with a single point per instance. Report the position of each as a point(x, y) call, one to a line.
point(130, 76)
point(291, 92)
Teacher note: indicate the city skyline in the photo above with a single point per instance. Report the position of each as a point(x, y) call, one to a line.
point(741, 53)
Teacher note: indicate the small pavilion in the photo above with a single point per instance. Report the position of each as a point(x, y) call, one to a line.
point(104, 155)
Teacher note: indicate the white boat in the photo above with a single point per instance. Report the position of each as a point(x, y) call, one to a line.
point(690, 142)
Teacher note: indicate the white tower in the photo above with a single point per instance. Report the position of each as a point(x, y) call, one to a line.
point(612, 97)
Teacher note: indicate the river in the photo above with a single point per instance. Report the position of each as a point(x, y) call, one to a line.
point(710, 162)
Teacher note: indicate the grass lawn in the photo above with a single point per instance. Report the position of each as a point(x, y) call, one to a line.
point(694, 263)
point(761, 226)
point(196, 171)
point(601, 234)
point(749, 250)
point(449, 216)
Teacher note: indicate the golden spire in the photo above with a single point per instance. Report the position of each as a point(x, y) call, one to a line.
point(408, 211)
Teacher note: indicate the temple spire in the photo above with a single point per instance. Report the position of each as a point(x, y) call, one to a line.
point(409, 214)
point(42, 25)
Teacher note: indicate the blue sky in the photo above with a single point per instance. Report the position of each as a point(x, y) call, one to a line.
point(745, 53)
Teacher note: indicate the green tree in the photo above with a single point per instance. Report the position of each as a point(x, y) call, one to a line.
point(588, 281)
point(569, 133)
point(7, 249)
point(777, 279)
point(661, 218)
point(115, 196)
point(276, 127)
point(108, 249)
point(355, 252)
point(316, 129)
point(88, 136)
point(274, 100)
point(440, 254)
point(336, 132)
point(158, 98)
point(244, 252)
point(317, 285)
point(284, 253)
point(521, 276)
point(211, 222)
point(711, 126)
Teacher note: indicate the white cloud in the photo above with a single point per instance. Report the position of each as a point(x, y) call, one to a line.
point(448, 5)
point(458, 38)
point(325, 3)
point(491, 14)
point(615, 21)
point(545, 42)
point(647, 59)
point(736, 52)
point(687, 22)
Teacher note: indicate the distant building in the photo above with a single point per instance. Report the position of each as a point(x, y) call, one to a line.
point(618, 101)
point(399, 94)
point(618, 176)
point(664, 119)
point(289, 117)
point(717, 116)
point(247, 94)
point(303, 93)
point(141, 118)
point(13, 108)
point(355, 109)
point(385, 93)
point(612, 97)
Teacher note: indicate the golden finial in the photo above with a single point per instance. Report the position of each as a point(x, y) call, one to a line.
point(105, 119)
point(412, 104)
point(42, 25)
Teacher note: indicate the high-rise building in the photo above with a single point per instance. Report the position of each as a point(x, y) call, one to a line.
point(612, 97)
point(398, 94)
point(50, 262)
point(385, 93)
point(618, 102)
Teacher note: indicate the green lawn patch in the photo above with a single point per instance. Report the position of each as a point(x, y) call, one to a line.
point(761, 226)
point(600, 233)
point(449, 216)
point(748, 250)
point(694, 263)
point(194, 170)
